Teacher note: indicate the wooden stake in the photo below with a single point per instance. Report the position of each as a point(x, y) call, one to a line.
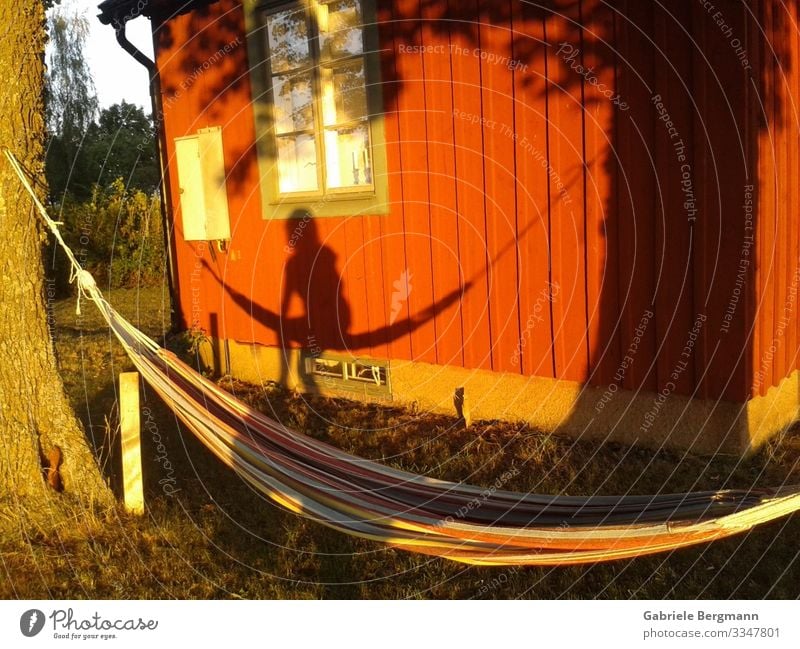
point(131, 442)
point(462, 406)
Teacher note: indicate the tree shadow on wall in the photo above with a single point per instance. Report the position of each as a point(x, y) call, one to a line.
point(639, 256)
point(631, 101)
point(616, 229)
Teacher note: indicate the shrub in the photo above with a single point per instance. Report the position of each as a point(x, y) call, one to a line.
point(117, 235)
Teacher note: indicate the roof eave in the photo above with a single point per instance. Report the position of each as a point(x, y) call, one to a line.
point(117, 12)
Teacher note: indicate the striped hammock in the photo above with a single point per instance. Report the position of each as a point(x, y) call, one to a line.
point(461, 522)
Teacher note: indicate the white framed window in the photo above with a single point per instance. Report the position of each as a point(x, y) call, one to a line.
point(321, 133)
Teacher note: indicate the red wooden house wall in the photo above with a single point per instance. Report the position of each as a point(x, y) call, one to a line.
point(550, 221)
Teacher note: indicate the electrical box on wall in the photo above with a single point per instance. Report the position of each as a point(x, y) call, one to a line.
point(201, 181)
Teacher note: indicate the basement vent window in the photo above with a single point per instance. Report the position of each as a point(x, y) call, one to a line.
point(367, 377)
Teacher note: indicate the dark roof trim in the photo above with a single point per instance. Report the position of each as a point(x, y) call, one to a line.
point(118, 12)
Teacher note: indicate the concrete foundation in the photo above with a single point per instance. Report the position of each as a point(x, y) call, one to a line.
point(609, 414)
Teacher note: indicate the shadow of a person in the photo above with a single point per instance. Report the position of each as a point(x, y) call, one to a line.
point(314, 312)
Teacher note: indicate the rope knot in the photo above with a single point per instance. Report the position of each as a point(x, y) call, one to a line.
point(85, 280)
point(87, 287)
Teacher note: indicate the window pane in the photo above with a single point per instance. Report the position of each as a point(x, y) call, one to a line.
point(348, 159)
point(288, 39)
point(344, 95)
point(293, 102)
point(340, 28)
point(297, 164)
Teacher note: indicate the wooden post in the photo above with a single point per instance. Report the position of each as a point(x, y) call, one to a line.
point(462, 406)
point(131, 442)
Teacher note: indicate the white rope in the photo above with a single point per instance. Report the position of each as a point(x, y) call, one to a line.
point(85, 283)
point(323, 489)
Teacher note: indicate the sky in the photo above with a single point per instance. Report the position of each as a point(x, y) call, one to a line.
point(116, 75)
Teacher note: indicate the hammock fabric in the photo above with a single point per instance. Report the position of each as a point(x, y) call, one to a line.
point(461, 522)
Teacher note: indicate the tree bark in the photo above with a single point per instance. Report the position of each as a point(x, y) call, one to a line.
point(42, 445)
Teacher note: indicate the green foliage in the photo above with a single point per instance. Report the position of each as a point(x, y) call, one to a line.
point(122, 145)
point(71, 96)
point(70, 100)
point(101, 169)
point(117, 235)
point(86, 146)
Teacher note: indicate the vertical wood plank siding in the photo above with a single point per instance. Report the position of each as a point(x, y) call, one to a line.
point(567, 206)
point(535, 349)
point(568, 185)
point(772, 37)
point(602, 228)
point(674, 270)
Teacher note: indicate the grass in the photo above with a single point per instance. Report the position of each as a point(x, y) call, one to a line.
point(214, 537)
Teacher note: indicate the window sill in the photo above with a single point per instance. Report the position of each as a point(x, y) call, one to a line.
point(332, 205)
point(329, 198)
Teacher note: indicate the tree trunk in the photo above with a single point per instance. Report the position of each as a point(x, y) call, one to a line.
point(37, 426)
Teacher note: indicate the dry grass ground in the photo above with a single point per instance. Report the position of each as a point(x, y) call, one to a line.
point(214, 537)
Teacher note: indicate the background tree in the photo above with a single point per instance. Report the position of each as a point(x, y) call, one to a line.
point(121, 145)
point(72, 104)
point(122, 210)
point(37, 425)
